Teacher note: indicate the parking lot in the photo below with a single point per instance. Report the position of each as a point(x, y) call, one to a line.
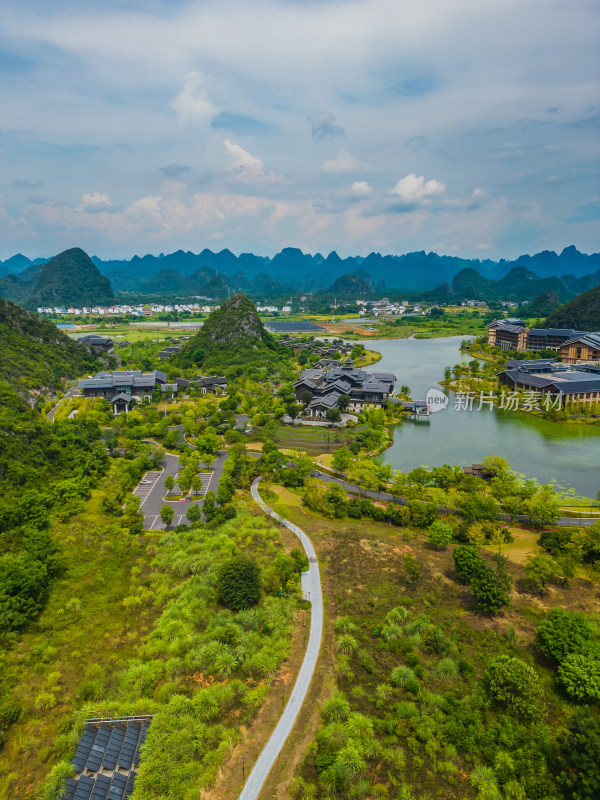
point(145, 486)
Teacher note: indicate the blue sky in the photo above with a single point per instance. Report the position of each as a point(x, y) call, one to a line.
point(466, 127)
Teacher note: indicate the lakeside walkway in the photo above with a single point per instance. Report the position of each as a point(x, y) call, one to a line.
point(311, 587)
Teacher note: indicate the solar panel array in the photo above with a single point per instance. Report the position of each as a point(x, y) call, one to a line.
point(106, 761)
point(289, 326)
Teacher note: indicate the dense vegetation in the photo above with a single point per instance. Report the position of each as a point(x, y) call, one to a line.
point(433, 697)
point(70, 278)
point(231, 341)
point(34, 355)
point(581, 313)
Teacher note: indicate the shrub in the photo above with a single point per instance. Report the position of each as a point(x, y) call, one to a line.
point(466, 562)
point(513, 684)
point(337, 708)
point(579, 756)
point(491, 587)
point(439, 534)
point(346, 644)
point(404, 677)
point(562, 633)
point(239, 583)
point(44, 701)
point(580, 675)
point(10, 711)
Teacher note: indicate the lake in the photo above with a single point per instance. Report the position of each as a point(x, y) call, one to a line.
point(539, 448)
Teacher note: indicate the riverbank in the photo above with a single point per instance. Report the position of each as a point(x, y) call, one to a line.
point(535, 447)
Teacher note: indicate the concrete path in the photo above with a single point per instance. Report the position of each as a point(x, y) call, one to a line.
point(311, 587)
point(72, 392)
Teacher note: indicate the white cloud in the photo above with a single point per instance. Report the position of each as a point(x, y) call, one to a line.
point(413, 190)
point(360, 190)
point(95, 202)
point(192, 104)
point(343, 162)
point(246, 168)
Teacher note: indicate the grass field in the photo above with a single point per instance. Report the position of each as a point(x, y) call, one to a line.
point(423, 750)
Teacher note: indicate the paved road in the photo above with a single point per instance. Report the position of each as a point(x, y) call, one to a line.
point(311, 587)
point(152, 497)
point(402, 501)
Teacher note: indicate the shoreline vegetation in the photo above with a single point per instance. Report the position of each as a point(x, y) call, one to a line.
point(476, 378)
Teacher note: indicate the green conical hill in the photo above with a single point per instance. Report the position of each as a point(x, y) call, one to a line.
point(232, 335)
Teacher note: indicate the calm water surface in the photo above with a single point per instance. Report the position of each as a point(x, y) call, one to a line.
point(541, 449)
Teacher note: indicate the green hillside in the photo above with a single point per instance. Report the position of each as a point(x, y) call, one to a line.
point(519, 284)
point(582, 313)
point(232, 335)
point(34, 354)
point(541, 305)
point(70, 278)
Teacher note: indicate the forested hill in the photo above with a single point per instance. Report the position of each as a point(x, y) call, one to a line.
point(232, 335)
point(582, 313)
point(69, 279)
point(34, 355)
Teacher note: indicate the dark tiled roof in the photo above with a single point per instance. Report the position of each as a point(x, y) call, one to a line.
point(576, 387)
point(329, 400)
point(590, 339)
point(122, 396)
point(525, 379)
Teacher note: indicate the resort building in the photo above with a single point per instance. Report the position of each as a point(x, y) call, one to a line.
point(581, 348)
point(578, 383)
point(511, 334)
point(320, 390)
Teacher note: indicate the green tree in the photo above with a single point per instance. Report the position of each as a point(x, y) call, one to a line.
point(440, 534)
point(239, 583)
point(166, 514)
point(194, 514)
point(491, 587)
point(209, 505)
point(184, 482)
point(580, 675)
point(333, 414)
point(342, 459)
point(169, 483)
point(578, 756)
point(196, 484)
point(544, 506)
point(513, 684)
point(412, 568)
point(562, 633)
point(467, 562)
point(540, 568)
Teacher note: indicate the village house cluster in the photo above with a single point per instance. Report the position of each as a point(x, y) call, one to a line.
point(145, 310)
point(383, 308)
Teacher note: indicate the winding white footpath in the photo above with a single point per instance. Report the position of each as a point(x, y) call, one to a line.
point(311, 587)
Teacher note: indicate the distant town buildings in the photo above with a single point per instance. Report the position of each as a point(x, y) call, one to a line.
point(381, 308)
point(133, 310)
